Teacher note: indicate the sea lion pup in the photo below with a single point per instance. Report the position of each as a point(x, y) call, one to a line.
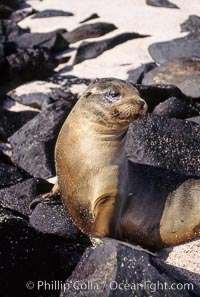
point(93, 172)
point(90, 154)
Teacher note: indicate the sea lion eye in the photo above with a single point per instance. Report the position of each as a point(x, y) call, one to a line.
point(113, 96)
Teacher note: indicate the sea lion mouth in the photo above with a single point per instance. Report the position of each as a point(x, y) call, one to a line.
point(128, 112)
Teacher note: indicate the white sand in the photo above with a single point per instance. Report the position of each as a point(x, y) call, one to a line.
point(129, 16)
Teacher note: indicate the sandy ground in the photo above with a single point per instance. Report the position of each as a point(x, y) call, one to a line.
point(185, 257)
point(129, 16)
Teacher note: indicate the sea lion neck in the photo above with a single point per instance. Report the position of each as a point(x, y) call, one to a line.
point(106, 133)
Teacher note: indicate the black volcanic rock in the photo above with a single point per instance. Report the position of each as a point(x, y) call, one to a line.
point(67, 254)
point(161, 3)
point(183, 73)
point(51, 217)
point(29, 64)
point(21, 14)
point(192, 24)
point(195, 119)
point(21, 251)
point(5, 11)
point(18, 197)
point(91, 17)
point(2, 56)
point(10, 30)
point(89, 31)
point(33, 145)
point(168, 143)
point(136, 76)
point(90, 50)
point(28, 256)
point(155, 94)
point(112, 268)
point(68, 81)
point(185, 47)
point(13, 3)
point(11, 121)
point(48, 13)
point(39, 94)
point(52, 41)
point(9, 173)
point(172, 108)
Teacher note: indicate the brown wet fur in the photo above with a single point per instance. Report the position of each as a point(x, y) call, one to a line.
point(104, 195)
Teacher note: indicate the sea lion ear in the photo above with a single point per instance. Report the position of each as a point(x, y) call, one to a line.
point(96, 82)
point(93, 83)
point(88, 93)
point(92, 87)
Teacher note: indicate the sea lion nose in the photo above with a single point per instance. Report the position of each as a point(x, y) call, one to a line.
point(141, 104)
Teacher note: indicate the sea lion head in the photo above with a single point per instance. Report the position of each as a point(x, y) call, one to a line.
point(115, 102)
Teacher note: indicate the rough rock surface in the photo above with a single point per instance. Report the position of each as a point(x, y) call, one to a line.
point(136, 76)
point(11, 121)
point(161, 3)
point(48, 13)
point(89, 31)
point(192, 24)
point(9, 173)
point(27, 255)
point(51, 217)
point(195, 120)
point(185, 47)
point(172, 108)
point(5, 11)
point(39, 94)
point(30, 64)
point(185, 258)
point(13, 3)
point(169, 143)
point(69, 82)
point(9, 30)
point(18, 15)
point(52, 41)
point(183, 73)
point(155, 94)
point(2, 56)
point(90, 50)
point(114, 269)
point(91, 17)
point(22, 54)
point(33, 145)
point(18, 197)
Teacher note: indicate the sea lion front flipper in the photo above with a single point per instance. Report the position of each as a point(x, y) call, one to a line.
point(47, 197)
point(103, 217)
